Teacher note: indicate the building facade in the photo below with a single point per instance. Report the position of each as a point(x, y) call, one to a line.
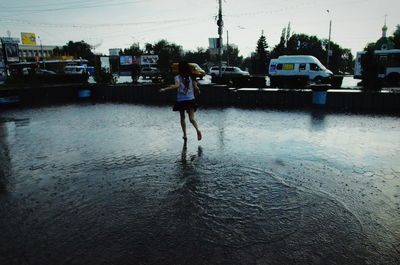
point(30, 52)
point(384, 43)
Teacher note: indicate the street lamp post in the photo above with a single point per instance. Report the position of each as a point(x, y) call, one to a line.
point(328, 52)
point(227, 47)
point(220, 24)
point(43, 57)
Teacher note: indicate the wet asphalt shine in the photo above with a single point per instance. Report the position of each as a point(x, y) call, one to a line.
point(115, 184)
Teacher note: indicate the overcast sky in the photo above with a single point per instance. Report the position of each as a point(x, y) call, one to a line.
point(119, 23)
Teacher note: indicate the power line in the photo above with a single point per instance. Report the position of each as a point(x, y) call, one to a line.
point(24, 7)
point(108, 25)
point(78, 6)
point(284, 9)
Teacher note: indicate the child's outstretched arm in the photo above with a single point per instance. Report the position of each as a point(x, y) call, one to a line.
point(171, 87)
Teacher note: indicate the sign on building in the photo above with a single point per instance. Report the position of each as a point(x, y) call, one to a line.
point(125, 60)
point(28, 38)
point(114, 51)
point(149, 59)
point(11, 52)
point(105, 64)
point(9, 40)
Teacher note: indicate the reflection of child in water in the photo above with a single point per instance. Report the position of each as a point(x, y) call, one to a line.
point(193, 157)
point(185, 100)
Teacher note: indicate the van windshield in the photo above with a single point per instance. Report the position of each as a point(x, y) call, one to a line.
point(196, 67)
point(314, 67)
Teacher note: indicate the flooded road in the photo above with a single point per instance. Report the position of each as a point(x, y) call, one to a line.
point(114, 184)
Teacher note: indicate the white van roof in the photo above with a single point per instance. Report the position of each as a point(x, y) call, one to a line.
point(298, 59)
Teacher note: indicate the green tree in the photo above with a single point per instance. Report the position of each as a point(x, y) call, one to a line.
point(370, 69)
point(168, 53)
point(78, 49)
point(148, 48)
point(262, 55)
point(370, 45)
point(396, 37)
point(134, 50)
point(302, 44)
point(201, 56)
point(280, 48)
point(341, 60)
point(232, 51)
point(248, 64)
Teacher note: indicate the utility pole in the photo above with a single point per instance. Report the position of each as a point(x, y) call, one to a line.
point(41, 48)
point(329, 42)
point(220, 24)
point(227, 47)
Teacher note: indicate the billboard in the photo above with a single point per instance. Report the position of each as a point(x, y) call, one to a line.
point(28, 38)
point(125, 60)
point(114, 51)
point(149, 59)
point(11, 52)
point(105, 63)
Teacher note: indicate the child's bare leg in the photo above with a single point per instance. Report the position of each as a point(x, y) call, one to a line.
point(183, 124)
point(193, 121)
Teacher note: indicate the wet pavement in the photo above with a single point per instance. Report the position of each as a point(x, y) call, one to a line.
point(114, 184)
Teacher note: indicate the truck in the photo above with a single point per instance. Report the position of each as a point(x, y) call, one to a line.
point(297, 70)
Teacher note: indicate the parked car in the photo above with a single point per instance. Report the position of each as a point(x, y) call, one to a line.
point(228, 71)
point(45, 72)
point(37, 71)
point(195, 69)
point(75, 69)
point(150, 72)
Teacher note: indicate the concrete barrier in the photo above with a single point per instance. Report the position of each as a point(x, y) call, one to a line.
point(211, 95)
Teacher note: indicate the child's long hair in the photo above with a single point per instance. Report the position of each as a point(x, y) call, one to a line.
point(184, 72)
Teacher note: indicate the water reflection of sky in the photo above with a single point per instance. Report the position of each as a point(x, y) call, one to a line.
point(360, 139)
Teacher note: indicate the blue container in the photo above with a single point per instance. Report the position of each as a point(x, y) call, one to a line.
point(86, 93)
point(319, 97)
point(90, 70)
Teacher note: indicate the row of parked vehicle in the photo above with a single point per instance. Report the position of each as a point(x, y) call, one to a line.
point(151, 72)
point(69, 69)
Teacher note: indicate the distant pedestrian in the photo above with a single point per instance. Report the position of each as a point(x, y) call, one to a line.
point(185, 85)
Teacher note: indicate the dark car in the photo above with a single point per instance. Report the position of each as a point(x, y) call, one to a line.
point(45, 72)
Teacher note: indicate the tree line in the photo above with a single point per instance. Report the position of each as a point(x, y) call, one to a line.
point(341, 60)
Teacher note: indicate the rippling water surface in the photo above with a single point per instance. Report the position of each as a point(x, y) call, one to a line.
point(114, 184)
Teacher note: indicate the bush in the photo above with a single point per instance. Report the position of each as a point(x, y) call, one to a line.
point(135, 72)
point(370, 71)
point(103, 77)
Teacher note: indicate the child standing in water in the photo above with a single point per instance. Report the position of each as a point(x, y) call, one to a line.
point(185, 100)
